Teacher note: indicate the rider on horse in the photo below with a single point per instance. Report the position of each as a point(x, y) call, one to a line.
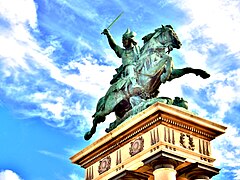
point(154, 67)
point(129, 54)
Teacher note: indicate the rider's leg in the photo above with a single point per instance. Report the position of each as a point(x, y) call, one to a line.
point(168, 70)
point(131, 75)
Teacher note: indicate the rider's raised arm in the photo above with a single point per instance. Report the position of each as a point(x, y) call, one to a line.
point(118, 50)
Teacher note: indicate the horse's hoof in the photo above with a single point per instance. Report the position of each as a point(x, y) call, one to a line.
point(202, 74)
point(107, 130)
point(87, 135)
point(205, 75)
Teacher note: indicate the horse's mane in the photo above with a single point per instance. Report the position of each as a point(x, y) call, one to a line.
point(150, 35)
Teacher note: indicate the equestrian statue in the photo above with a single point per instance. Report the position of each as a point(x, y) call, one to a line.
point(135, 85)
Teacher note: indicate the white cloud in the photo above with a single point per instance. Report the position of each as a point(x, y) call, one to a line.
point(19, 15)
point(194, 58)
point(30, 63)
point(223, 92)
point(218, 20)
point(224, 95)
point(226, 150)
point(39, 96)
point(82, 44)
point(55, 108)
point(21, 11)
point(236, 174)
point(9, 175)
point(171, 89)
point(212, 24)
point(110, 57)
point(92, 79)
point(11, 42)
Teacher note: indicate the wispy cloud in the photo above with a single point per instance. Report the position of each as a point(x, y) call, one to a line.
point(31, 77)
point(54, 155)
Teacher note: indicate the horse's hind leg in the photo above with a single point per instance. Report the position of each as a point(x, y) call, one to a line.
point(99, 117)
point(105, 106)
point(176, 73)
point(96, 121)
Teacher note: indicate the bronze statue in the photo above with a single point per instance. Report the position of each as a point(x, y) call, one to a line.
point(129, 54)
point(136, 84)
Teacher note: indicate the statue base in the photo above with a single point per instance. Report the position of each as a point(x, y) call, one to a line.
point(161, 142)
point(140, 104)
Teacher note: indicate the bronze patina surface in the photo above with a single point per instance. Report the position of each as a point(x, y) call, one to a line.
point(135, 85)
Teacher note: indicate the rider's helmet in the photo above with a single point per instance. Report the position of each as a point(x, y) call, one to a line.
point(130, 35)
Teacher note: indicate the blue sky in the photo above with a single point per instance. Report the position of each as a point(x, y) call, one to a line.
point(55, 65)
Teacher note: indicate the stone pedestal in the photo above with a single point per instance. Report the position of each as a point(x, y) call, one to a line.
point(161, 142)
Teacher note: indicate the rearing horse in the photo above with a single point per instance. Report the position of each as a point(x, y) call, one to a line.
point(153, 68)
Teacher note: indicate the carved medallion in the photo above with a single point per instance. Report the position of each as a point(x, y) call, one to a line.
point(136, 146)
point(104, 165)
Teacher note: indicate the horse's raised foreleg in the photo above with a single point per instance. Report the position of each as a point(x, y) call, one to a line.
point(176, 73)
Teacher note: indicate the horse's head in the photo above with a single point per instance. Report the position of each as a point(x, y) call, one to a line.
point(168, 36)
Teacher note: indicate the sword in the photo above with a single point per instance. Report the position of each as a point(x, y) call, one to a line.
point(114, 21)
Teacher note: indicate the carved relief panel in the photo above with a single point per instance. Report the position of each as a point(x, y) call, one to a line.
point(136, 146)
point(104, 165)
point(186, 141)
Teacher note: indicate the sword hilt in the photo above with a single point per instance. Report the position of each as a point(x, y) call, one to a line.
point(103, 31)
